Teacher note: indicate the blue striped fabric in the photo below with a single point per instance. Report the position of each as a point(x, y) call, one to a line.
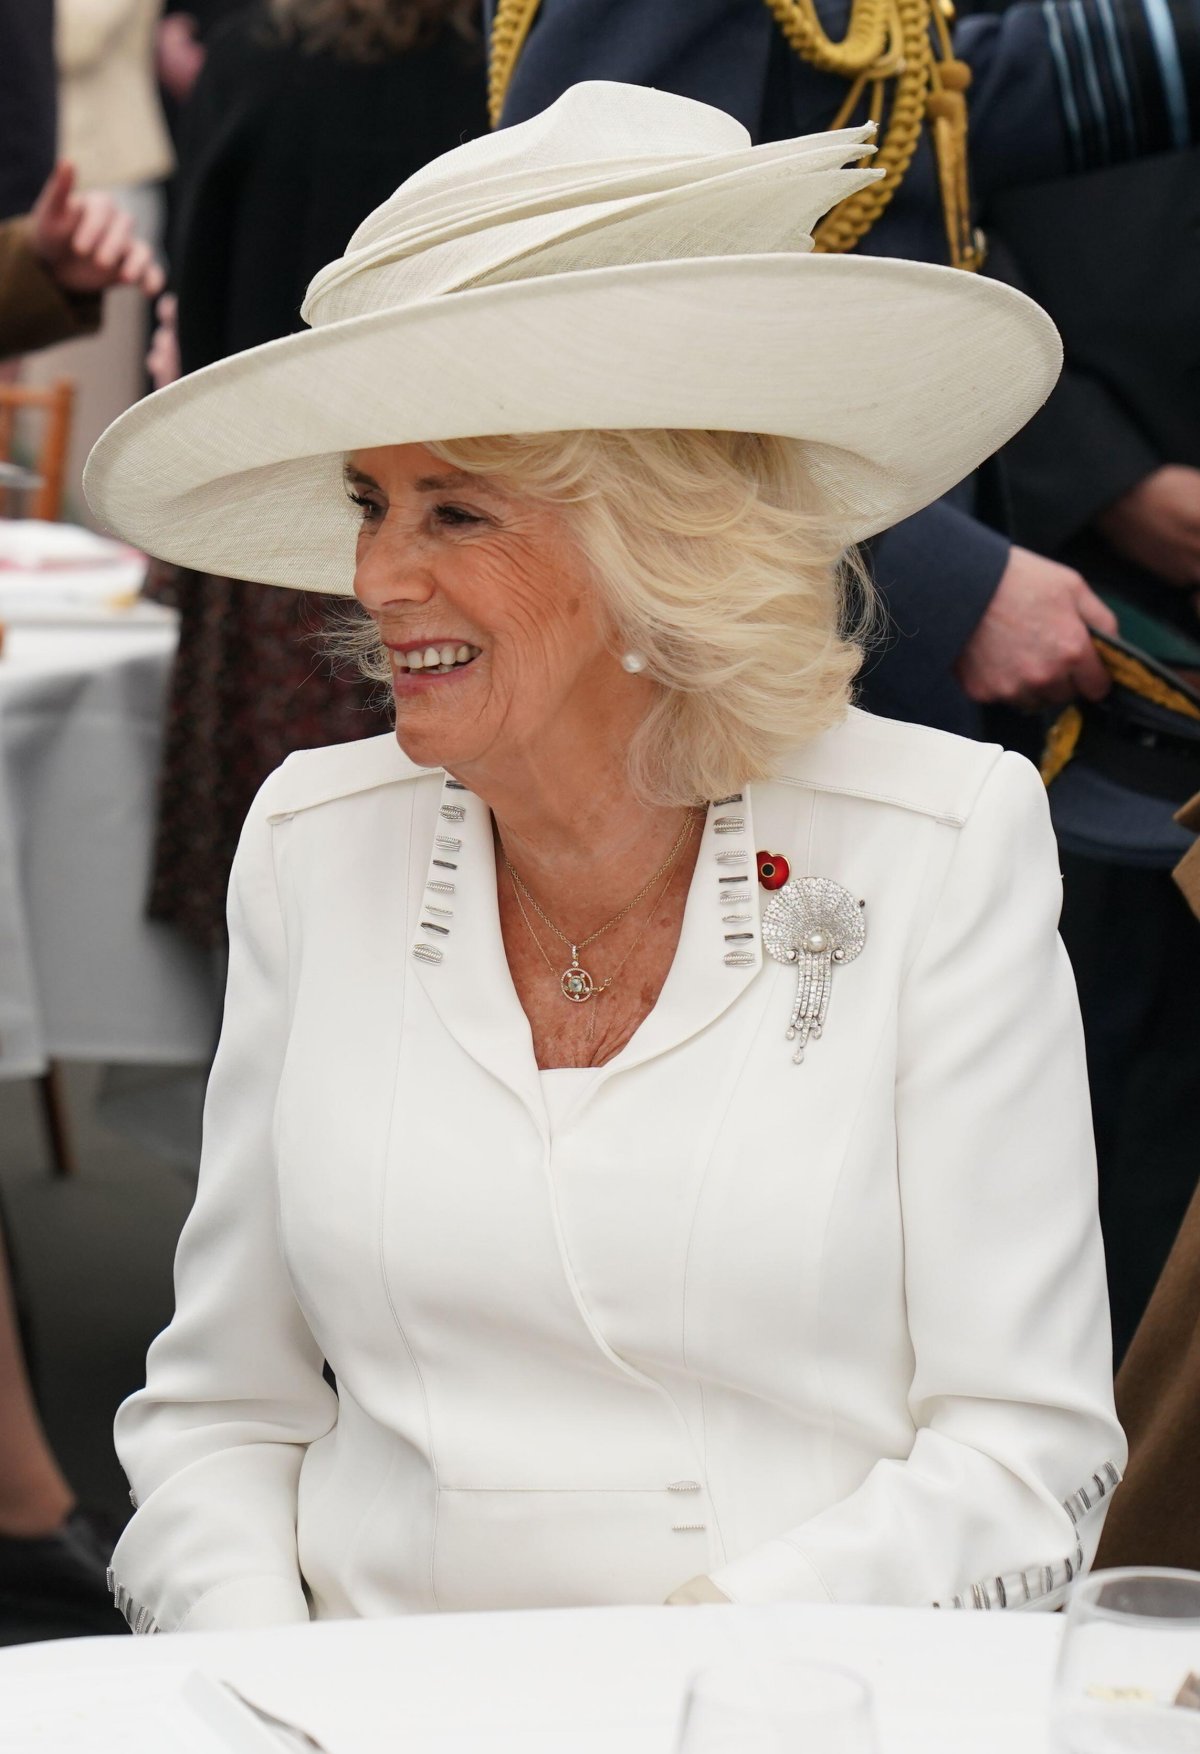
point(1162, 30)
point(1127, 74)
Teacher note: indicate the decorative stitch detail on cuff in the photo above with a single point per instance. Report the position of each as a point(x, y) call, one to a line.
point(140, 1621)
point(1021, 1589)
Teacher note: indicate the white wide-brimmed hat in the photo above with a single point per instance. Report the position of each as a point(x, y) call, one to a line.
point(624, 259)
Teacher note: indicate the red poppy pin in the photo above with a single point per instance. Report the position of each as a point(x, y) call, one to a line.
point(773, 870)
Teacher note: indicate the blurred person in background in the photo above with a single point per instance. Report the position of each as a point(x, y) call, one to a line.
point(180, 46)
point(1158, 1386)
point(55, 263)
point(53, 1554)
point(980, 621)
point(305, 115)
point(111, 123)
point(111, 129)
point(28, 102)
point(1106, 479)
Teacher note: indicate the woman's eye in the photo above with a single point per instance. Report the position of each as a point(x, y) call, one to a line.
point(371, 510)
point(455, 516)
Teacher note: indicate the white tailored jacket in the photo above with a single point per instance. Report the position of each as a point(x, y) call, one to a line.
point(834, 1331)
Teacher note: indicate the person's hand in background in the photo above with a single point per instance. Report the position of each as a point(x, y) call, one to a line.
point(1033, 646)
point(86, 243)
point(1157, 524)
point(179, 54)
point(162, 361)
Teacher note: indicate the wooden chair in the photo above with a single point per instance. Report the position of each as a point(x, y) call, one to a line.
point(54, 406)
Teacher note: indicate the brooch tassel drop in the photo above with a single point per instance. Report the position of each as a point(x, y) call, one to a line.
point(812, 924)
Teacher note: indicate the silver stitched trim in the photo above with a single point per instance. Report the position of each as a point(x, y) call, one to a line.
point(426, 953)
point(452, 813)
point(447, 843)
point(729, 825)
point(1020, 1589)
point(1089, 1496)
point(440, 886)
point(140, 1620)
point(739, 958)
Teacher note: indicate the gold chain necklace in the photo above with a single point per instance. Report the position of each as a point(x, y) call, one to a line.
point(608, 979)
point(575, 982)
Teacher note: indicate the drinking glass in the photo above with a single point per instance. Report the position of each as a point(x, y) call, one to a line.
point(1128, 1678)
point(749, 1707)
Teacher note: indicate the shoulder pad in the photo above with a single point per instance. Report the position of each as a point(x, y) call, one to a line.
point(889, 762)
point(318, 776)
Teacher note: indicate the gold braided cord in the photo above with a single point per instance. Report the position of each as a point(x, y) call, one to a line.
point(510, 26)
point(1126, 672)
point(901, 77)
point(1059, 747)
point(864, 43)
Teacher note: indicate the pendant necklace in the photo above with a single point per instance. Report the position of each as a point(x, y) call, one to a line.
point(575, 983)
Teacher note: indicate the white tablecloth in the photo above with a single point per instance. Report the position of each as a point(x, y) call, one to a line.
point(82, 974)
point(588, 1681)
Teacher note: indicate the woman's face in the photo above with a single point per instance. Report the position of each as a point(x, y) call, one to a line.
point(483, 605)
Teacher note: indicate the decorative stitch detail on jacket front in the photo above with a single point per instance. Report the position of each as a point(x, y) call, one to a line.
point(140, 1621)
point(1020, 1589)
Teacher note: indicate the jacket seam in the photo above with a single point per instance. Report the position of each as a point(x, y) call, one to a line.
point(935, 902)
point(687, 1266)
point(833, 1423)
point(383, 1272)
point(951, 818)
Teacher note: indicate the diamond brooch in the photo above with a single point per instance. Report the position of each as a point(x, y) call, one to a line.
point(812, 923)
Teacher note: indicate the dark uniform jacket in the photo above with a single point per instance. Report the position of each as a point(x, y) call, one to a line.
point(283, 153)
point(1155, 1517)
point(1114, 256)
point(1054, 89)
point(28, 102)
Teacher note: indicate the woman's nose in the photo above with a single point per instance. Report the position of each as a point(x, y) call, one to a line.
point(388, 570)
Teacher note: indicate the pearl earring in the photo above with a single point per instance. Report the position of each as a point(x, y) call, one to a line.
point(633, 662)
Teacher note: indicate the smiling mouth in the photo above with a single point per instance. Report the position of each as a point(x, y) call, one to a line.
point(440, 658)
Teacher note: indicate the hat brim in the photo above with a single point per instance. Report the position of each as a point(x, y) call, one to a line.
point(900, 378)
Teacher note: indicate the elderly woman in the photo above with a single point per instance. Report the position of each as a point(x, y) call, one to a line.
point(647, 1158)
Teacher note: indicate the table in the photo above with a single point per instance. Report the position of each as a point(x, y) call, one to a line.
point(82, 974)
point(587, 1681)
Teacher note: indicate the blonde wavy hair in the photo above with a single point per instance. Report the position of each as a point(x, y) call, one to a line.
point(707, 557)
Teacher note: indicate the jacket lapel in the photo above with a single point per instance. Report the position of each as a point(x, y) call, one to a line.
point(720, 949)
point(459, 952)
point(456, 941)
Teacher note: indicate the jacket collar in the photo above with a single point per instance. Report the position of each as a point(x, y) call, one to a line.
point(459, 955)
